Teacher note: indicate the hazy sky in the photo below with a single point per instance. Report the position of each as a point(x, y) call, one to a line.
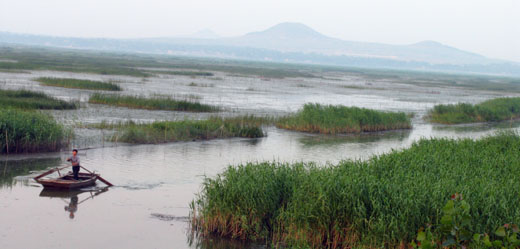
point(488, 27)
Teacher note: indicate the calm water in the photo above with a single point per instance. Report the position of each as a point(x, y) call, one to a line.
point(148, 207)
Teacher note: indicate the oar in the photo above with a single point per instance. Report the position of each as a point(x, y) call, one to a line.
point(99, 177)
point(50, 172)
point(103, 190)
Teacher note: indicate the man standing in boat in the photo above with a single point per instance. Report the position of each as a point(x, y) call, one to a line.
point(74, 159)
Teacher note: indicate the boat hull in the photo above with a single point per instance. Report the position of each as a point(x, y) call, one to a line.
point(68, 182)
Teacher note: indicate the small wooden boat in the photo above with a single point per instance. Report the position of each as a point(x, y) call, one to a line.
point(67, 181)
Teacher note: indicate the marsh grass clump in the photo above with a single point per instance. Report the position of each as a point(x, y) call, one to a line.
point(493, 110)
point(30, 131)
point(200, 85)
point(25, 99)
point(187, 130)
point(378, 203)
point(79, 84)
point(243, 121)
point(353, 87)
point(156, 102)
point(252, 120)
point(331, 119)
point(105, 125)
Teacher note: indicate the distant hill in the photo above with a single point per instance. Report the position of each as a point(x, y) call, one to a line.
point(296, 37)
point(204, 34)
point(288, 30)
point(291, 42)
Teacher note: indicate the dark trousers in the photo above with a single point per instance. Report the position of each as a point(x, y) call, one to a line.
point(75, 170)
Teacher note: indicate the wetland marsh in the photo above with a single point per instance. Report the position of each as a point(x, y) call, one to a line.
point(155, 183)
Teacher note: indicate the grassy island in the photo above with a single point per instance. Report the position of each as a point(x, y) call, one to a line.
point(187, 130)
point(379, 203)
point(24, 99)
point(30, 131)
point(151, 103)
point(493, 110)
point(79, 84)
point(331, 119)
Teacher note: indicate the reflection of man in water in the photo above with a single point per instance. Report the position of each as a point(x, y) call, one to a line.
point(73, 206)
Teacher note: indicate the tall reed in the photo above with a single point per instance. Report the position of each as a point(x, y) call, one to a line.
point(186, 130)
point(30, 131)
point(381, 202)
point(79, 84)
point(331, 119)
point(492, 110)
point(25, 99)
point(151, 103)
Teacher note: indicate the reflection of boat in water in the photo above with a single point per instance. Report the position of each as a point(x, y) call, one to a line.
point(72, 205)
point(57, 193)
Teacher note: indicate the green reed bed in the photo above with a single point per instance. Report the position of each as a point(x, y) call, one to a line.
point(71, 61)
point(493, 110)
point(25, 99)
point(187, 130)
point(79, 84)
point(331, 119)
point(378, 203)
point(30, 131)
point(252, 120)
point(245, 120)
point(157, 102)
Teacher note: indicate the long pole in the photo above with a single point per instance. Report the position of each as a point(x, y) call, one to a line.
point(99, 177)
point(49, 172)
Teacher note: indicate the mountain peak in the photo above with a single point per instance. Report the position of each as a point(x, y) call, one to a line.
point(289, 30)
point(428, 44)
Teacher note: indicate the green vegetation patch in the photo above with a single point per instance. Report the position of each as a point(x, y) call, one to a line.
point(25, 99)
point(30, 131)
point(200, 85)
point(331, 119)
point(70, 61)
point(137, 65)
point(488, 111)
point(79, 84)
point(378, 203)
point(187, 130)
point(151, 103)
